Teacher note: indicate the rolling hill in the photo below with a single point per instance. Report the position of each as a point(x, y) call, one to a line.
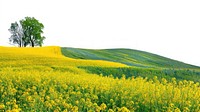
point(42, 79)
point(126, 56)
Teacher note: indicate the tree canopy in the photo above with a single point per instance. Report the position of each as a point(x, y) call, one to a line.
point(27, 32)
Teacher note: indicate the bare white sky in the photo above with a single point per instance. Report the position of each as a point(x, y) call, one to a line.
point(170, 28)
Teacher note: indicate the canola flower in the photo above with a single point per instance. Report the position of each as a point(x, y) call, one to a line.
point(34, 81)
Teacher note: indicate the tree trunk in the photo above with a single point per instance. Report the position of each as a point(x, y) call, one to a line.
point(20, 44)
point(32, 44)
point(32, 41)
point(25, 44)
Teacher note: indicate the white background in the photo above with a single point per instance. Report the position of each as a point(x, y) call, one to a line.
point(170, 28)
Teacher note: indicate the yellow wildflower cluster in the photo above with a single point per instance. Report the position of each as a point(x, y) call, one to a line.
point(54, 83)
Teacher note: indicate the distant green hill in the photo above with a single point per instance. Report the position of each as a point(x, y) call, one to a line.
point(126, 56)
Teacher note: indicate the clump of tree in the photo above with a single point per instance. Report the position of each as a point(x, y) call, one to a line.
point(27, 32)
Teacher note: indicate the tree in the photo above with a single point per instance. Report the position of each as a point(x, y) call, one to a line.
point(16, 34)
point(28, 32)
point(32, 29)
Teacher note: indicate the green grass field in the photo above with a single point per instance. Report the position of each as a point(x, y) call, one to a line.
point(126, 56)
point(140, 63)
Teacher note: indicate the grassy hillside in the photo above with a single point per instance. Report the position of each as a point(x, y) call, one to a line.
point(126, 56)
point(43, 80)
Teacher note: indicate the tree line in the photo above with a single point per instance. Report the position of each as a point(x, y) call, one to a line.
point(26, 32)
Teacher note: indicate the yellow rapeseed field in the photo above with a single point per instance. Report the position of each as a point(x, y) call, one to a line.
point(41, 80)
